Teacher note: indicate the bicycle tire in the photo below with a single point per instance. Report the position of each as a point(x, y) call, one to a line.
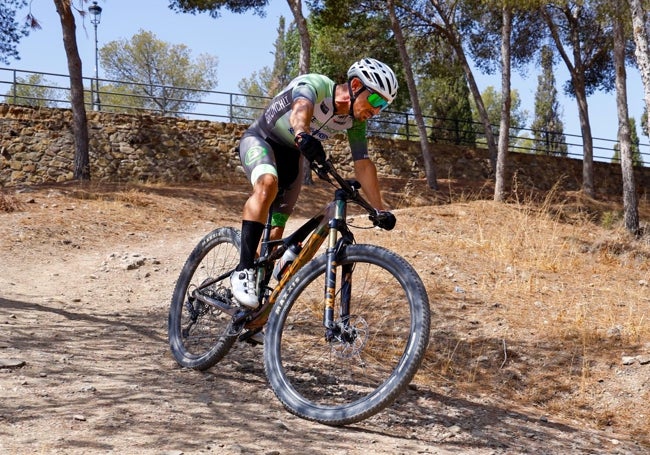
point(317, 380)
point(202, 344)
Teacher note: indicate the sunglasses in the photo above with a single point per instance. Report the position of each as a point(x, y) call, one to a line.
point(376, 100)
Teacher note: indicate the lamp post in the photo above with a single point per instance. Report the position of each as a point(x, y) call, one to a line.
point(96, 12)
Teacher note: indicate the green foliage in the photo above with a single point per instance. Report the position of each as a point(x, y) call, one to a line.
point(158, 76)
point(10, 30)
point(33, 90)
point(442, 90)
point(585, 27)
point(214, 7)
point(344, 31)
point(118, 98)
point(609, 219)
point(255, 88)
point(481, 22)
point(548, 129)
point(637, 159)
point(492, 100)
point(445, 102)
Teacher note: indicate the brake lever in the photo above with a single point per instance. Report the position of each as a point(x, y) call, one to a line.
point(321, 170)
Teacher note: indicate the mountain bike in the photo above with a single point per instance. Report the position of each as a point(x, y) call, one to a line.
point(345, 330)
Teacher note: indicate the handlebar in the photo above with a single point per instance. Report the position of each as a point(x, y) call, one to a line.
point(326, 169)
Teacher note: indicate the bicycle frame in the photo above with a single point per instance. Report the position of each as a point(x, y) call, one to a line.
point(328, 224)
point(338, 369)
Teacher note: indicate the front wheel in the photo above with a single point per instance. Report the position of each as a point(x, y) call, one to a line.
point(199, 334)
point(346, 374)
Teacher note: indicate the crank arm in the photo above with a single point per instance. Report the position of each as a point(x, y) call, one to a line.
point(219, 304)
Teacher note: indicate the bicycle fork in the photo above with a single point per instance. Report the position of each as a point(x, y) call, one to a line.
point(338, 330)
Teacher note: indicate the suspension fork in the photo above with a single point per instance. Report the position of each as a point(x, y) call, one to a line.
point(337, 225)
point(346, 292)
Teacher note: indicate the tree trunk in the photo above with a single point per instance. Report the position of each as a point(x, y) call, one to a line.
point(504, 128)
point(480, 106)
point(303, 31)
point(587, 139)
point(630, 203)
point(641, 50)
point(577, 72)
point(304, 64)
point(429, 168)
point(79, 121)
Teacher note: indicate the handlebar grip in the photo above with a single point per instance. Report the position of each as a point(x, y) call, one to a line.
point(383, 219)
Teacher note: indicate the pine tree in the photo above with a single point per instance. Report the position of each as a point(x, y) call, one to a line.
point(164, 77)
point(548, 129)
point(11, 29)
point(33, 90)
point(447, 102)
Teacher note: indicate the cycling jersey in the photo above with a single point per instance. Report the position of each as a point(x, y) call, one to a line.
point(319, 90)
point(267, 146)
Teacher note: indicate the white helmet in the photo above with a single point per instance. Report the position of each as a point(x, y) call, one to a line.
point(375, 75)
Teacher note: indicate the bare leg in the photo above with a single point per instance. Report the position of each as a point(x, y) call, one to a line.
point(259, 203)
point(254, 216)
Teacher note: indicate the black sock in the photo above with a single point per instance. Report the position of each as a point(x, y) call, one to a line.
point(251, 234)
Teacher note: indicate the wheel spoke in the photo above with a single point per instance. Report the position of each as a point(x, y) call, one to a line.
point(354, 370)
point(198, 332)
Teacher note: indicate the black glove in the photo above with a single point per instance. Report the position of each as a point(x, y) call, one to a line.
point(384, 219)
point(310, 147)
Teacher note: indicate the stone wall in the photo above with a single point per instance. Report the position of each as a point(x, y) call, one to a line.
point(36, 146)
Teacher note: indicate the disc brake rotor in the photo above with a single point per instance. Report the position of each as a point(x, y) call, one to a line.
point(352, 338)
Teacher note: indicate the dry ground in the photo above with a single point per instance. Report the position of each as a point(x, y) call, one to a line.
point(540, 338)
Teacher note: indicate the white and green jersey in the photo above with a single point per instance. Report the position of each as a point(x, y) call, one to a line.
point(274, 122)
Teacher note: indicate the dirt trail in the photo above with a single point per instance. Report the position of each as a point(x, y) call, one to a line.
point(83, 308)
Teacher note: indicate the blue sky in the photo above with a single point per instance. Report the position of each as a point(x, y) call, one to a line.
point(244, 44)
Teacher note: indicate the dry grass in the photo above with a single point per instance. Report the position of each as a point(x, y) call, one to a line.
point(535, 300)
point(8, 203)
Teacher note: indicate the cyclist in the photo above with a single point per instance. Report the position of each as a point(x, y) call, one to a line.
point(310, 109)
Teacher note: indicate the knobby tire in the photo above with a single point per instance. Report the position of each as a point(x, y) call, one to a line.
point(345, 381)
point(208, 339)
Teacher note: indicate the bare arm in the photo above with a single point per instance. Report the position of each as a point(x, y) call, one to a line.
point(366, 173)
point(301, 113)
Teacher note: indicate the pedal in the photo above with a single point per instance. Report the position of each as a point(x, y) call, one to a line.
point(254, 337)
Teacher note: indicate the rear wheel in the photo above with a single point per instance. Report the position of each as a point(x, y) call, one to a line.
point(354, 371)
point(199, 334)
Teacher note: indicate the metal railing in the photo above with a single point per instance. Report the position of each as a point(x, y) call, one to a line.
point(52, 90)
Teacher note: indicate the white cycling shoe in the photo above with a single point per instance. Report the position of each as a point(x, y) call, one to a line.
point(243, 287)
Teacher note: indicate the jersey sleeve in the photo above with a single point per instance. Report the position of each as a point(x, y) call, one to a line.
point(358, 141)
point(304, 89)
